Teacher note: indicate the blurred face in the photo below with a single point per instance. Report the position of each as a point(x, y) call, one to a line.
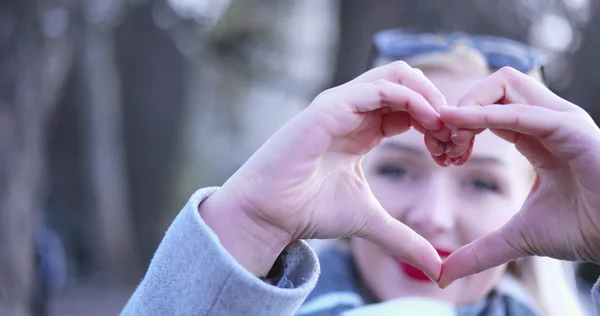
point(450, 207)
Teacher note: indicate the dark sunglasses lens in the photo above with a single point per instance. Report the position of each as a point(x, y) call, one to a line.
point(408, 51)
point(498, 60)
point(398, 45)
point(501, 52)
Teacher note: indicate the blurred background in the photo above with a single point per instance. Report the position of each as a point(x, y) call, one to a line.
point(113, 112)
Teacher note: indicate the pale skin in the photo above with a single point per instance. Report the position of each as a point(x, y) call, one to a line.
point(561, 217)
point(449, 207)
point(307, 180)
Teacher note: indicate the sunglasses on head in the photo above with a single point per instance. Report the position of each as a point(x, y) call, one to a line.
point(499, 52)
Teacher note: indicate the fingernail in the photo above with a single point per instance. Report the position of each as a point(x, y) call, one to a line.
point(447, 148)
point(444, 285)
point(439, 150)
point(454, 132)
point(430, 278)
point(454, 161)
point(447, 161)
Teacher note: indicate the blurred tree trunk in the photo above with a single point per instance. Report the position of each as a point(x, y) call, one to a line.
point(115, 253)
point(36, 43)
point(151, 69)
point(260, 65)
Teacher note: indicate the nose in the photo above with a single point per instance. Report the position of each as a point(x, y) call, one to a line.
point(432, 213)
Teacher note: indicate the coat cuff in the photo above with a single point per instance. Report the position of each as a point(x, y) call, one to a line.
point(193, 274)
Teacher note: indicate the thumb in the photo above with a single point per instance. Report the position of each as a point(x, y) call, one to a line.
point(402, 242)
point(499, 247)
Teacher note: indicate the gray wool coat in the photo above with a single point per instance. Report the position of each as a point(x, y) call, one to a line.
point(192, 274)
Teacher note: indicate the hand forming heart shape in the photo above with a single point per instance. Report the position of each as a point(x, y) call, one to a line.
point(307, 181)
point(561, 216)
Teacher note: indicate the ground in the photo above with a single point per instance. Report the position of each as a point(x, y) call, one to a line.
point(89, 301)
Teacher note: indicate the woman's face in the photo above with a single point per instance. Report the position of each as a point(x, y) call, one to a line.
point(450, 206)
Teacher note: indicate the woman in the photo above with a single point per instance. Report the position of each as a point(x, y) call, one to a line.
point(310, 181)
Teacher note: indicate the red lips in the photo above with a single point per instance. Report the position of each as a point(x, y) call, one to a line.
point(443, 253)
point(416, 274)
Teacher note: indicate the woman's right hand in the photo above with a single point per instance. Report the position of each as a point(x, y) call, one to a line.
point(306, 181)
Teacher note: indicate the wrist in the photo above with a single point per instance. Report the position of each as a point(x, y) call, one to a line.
point(255, 245)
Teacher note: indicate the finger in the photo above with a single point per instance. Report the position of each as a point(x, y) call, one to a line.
point(437, 149)
point(533, 150)
point(457, 150)
point(484, 253)
point(402, 242)
point(395, 123)
point(507, 135)
point(504, 86)
point(401, 73)
point(522, 125)
point(442, 134)
point(465, 156)
point(414, 123)
point(369, 96)
point(443, 160)
point(536, 121)
point(461, 136)
point(434, 145)
point(461, 140)
point(413, 78)
point(419, 71)
point(508, 85)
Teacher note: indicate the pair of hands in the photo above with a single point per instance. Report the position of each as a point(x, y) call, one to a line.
point(306, 181)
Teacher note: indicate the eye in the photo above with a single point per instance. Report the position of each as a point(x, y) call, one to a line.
point(393, 172)
point(485, 185)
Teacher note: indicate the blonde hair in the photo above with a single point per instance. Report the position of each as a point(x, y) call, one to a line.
point(549, 283)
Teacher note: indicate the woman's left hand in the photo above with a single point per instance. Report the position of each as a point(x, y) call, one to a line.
point(561, 216)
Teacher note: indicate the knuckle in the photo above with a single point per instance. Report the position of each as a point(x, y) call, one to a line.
point(324, 99)
point(583, 114)
point(380, 86)
point(380, 83)
point(324, 95)
point(400, 64)
point(583, 122)
point(399, 70)
point(520, 108)
point(509, 74)
point(507, 71)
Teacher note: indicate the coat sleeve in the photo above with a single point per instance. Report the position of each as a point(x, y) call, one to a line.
point(191, 273)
